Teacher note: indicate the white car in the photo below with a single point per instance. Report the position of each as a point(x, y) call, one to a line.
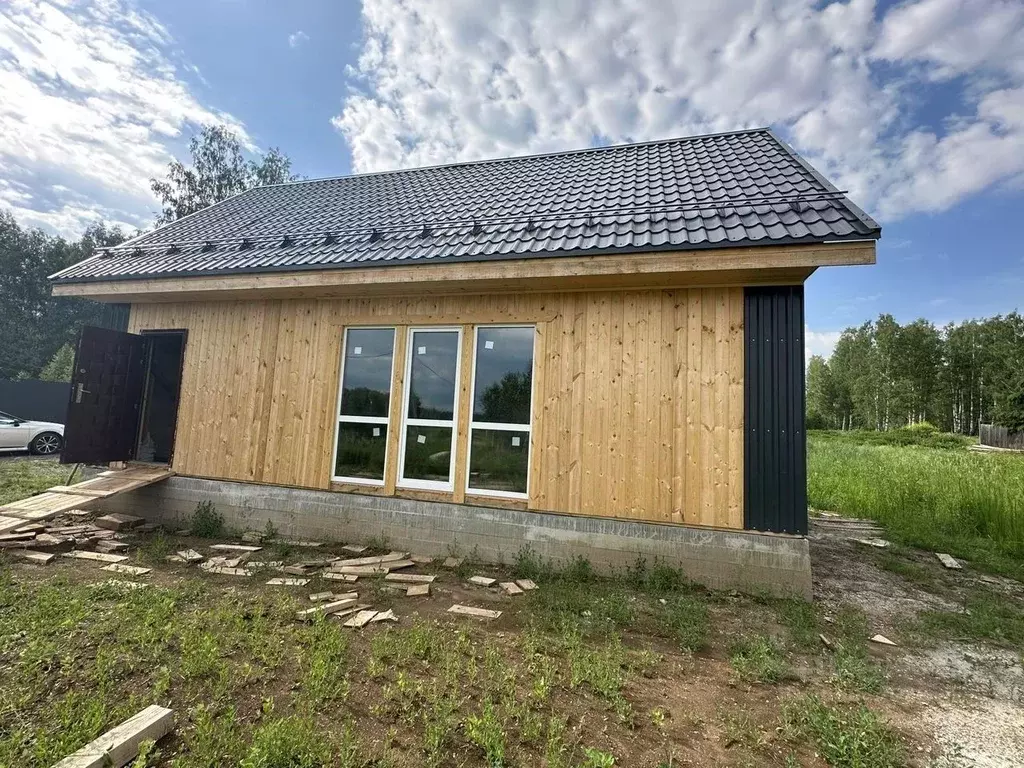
point(42, 437)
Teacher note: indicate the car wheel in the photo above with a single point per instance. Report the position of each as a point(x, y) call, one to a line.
point(46, 444)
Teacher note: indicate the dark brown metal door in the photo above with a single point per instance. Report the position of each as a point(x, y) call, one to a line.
point(106, 394)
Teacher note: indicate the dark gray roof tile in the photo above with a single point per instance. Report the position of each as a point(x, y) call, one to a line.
point(741, 188)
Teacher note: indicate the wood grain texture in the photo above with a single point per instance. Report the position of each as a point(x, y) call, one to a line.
point(638, 395)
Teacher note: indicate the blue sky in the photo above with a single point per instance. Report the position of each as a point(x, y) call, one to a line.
point(917, 108)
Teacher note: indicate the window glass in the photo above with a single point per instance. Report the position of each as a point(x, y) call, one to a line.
point(503, 375)
point(435, 356)
point(361, 450)
point(366, 389)
point(428, 454)
point(499, 460)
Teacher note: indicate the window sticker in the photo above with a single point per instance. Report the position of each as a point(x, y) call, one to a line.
point(421, 438)
point(515, 441)
point(488, 344)
point(376, 431)
point(421, 350)
point(357, 351)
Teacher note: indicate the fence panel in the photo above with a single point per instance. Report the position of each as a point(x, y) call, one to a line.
point(36, 400)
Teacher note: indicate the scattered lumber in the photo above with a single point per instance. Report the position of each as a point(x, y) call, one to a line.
point(526, 584)
point(265, 563)
point(120, 745)
point(51, 541)
point(468, 610)
point(131, 570)
point(483, 581)
point(877, 543)
point(511, 588)
point(16, 537)
point(110, 545)
point(375, 560)
point(31, 528)
point(42, 558)
point(421, 559)
point(882, 640)
point(252, 537)
point(371, 570)
point(344, 601)
point(122, 584)
point(118, 521)
point(295, 570)
point(949, 561)
point(235, 548)
point(287, 582)
point(452, 562)
point(300, 543)
point(361, 619)
point(349, 611)
point(826, 642)
point(410, 578)
point(388, 615)
point(349, 577)
point(355, 549)
point(418, 590)
point(190, 556)
point(319, 597)
point(221, 570)
point(102, 557)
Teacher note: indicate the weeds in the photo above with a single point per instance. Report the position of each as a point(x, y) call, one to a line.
point(985, 617)
point(20, 478)
point(847, 738)
point(758, 659)
point(686, 619)
point(486, 731)
point(206, 522)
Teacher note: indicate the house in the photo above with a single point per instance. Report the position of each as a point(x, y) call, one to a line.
point(594, 353)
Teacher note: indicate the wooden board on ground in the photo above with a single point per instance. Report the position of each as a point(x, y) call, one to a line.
point(410, 578)
point(349, 577)
point(421, 559)
point(319, 597)
point(468, 610)
point(355, 549)
point(452, 562)
point(42, 558)
point(120, 745)
point(110, 545)
point(8, 524)
point(102, 557)
point(948, 560)
point(190, 556)
point(221, 570)
point(6, 537)
point(418, 590)
point(343, 601)
point(388, 615)
point(371, 570)
point(526, 584)
point(511, 588)
point(375, 560)
point(44, 505)
point(287, 582)
point(482, 581)
point(235, 547)
point(118, 522)
point(361, 619)
point(131, 570)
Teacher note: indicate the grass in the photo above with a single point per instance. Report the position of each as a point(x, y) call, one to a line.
point(758, 659)
point(970, 505)
point(24, 477)
point(847, 737)
point(985, 617)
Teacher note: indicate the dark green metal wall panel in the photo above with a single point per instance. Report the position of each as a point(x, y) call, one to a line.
point(775, 440)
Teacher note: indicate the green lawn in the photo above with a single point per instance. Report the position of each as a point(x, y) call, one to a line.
point(21, 477)
point(945, 499)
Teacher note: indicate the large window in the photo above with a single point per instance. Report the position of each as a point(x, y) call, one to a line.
point(364, 406)
point(431, 398)
point(499, 444)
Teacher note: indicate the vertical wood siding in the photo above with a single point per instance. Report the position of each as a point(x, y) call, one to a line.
point(638, 396)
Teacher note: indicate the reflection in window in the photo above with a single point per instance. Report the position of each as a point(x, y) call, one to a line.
point(500, 423)
point(430, 409)
point(367, 369)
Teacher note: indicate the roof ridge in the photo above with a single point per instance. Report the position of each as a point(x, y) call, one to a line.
point(516, 158)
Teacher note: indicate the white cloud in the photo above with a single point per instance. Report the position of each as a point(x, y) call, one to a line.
point(448, 80)
point(820, 342)
point(89, 100)
point(295, 39)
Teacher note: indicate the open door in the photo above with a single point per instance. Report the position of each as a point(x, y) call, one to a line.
point(106, 393)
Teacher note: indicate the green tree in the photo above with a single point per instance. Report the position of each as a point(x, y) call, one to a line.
point(60, 365)
point(219, 170)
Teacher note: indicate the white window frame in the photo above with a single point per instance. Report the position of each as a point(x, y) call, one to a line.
point(405, 422)
point(487, 425)
point(340, 419)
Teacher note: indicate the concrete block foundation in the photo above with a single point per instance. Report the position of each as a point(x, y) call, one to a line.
point(748, 561)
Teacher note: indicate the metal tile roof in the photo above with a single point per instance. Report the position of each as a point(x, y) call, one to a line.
point(730, 189)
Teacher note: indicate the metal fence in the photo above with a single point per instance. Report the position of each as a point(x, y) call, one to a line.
point(1000, 437)
point(35, 400)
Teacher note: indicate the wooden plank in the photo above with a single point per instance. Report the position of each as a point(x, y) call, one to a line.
point(464, 398)
point(418, 590)
point(511, 588)
point(361, 619)
point(468, 610)
point(342, 602)
point(102, 557)
point(410, 578)
point(374, 560)
point(121, 744)
point(482, 581)
point(527, 585)
point(42, 558)
point(235, 548)
point(948, 560)
point(349, 577)
point(287, 582)
point(131, 570)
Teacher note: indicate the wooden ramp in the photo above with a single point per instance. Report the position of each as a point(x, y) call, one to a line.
point(62, 498)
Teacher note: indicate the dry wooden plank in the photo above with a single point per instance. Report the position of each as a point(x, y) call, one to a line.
point(418, 590)
point(131, 570)
point(468, 610)
point(343, 601)
point(102, 557)
point(526, 584)
point(225, 571)
point(421, 559)
point(287, 582)
point(948, 560)
point(110, 545)
point(264, 563)
point(118, 522)
point(235, 548)
point(355, 549)
point(410, 578)
point(453, 562)
point(120, 745)
point(80, 490)
point(374, 560)
point(511, 588)
point(41, 558)
point(349, 577)
point(483, 581)
point(349, 611)
point(355, 570)
point(10, 524)
point(16, 537)
point(190, 556)
point(388, 615)
point(361, 619)
point(300, 543)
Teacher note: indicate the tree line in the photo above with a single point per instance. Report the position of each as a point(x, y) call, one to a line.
point(883, 375)
point(37, 330)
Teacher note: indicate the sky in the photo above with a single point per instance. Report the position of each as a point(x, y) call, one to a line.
point(916, 108)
